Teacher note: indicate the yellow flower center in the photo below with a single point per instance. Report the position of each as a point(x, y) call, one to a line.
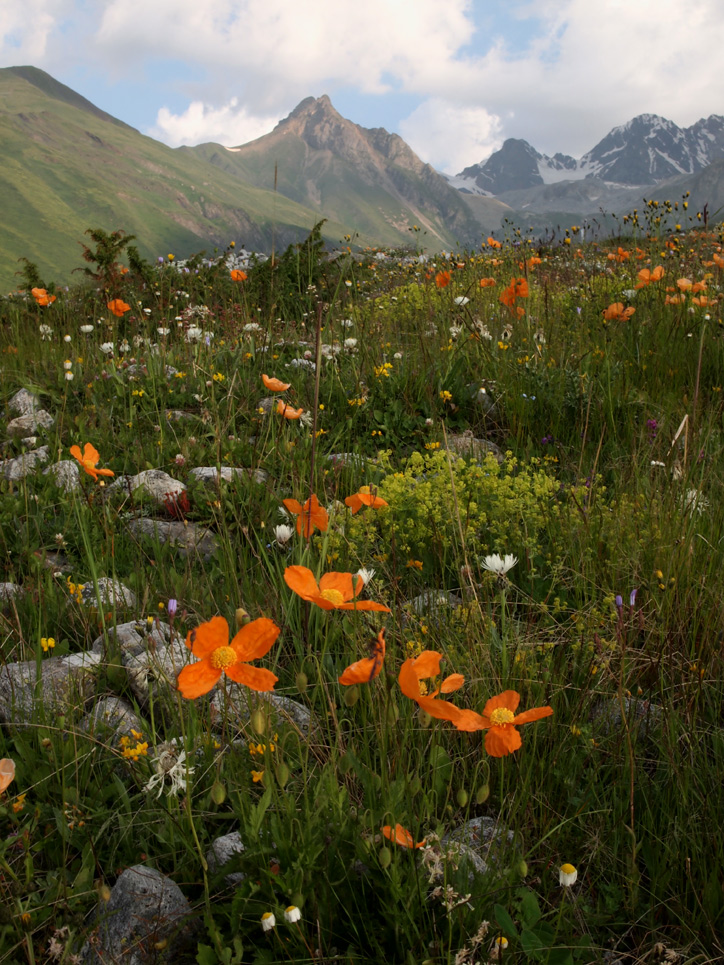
point(223, 657)
point(365, 490)
point(501, 715)
point(332, 596)
point(568, 869)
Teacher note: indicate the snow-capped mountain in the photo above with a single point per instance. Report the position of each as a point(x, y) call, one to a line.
point(645, 151)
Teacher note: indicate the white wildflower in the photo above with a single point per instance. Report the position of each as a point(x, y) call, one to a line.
point(171, 764)
point(499, 565)
point(365, 574)
point(283, 533)
point(107, 348)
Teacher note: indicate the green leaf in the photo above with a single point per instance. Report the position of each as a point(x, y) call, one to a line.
point(205, 955)
point(506, 922)
point(529, 908)
point(560, 956)
point(531, 943)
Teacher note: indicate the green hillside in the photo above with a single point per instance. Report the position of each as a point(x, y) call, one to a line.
point(67, 166)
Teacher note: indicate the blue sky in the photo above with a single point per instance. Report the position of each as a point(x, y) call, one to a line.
point(453, 77)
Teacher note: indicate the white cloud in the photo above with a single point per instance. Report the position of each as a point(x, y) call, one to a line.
point(230, 125)
point(26, 27)
point(451, 137)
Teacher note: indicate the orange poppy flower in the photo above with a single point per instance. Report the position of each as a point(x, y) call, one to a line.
point(416, 669)
point(718, 261)
point(210, 642)
point(42, 297)
point(335, 591)
point(673, 300)
point(684, 284)
point(518, 288)
point(646, 276)
point(237, 275)
point(365, 670)
point(311, 515)
point(492, 243)
point(617, 313)
point(288, 411)
point(443, 279)
point(702, 301)
point(275, 385)
point(401, 836)
point(7, 773)
point(118, 307)
point(364, 497)
point(500, 720)
point(89, 460)
point(620, 255)
point(486, 282)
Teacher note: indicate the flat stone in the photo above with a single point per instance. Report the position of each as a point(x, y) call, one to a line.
point(24, 402)
point(65, 683)
point(212, 476)
point(145, 910)
point(24, 464)
point(178, 415)
point(236, 705)
point(10, 591)
point(111, 718)
point(222, 851)
point(483, 841)
point(66, 474)
point(153, 671)
point(110, 592)
point(30, 422)
point(189, 538)
point(642, 716)
point(133, 638)
point(157, 483)
point(430, 601)
point(466, 444)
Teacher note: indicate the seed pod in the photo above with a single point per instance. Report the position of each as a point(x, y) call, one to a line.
point(302, 681)
point(462, 797)
point(522, 868)
point(482, 794)
point(384, 856)
point(282, 774)
point(351, 696)
point(218, 792)
point(259, 721)
point(415, 786)
point(344, 765)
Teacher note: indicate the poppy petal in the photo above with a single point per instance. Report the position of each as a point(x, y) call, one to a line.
point(197, 679)
point(530, 715)
point(408, 680)
point(293, 506)
point(76, 453)
point(363, 605)
point(341, 582)
point(451, 683)
point(501, 741)
point(255, 639)
point(509, 700)
point(207, 637)
point(361, 672)
point(427, 664)
point(469, 720)
point(256, 678)
point(301, 580)
point(7, 773)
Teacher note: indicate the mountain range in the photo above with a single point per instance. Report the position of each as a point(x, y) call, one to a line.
point(66, 166)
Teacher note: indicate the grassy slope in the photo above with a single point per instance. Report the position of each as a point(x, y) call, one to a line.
point(67, 167)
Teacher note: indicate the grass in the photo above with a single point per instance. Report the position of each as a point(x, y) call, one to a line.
point(609, 481)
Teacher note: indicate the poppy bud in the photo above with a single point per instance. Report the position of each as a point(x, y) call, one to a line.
point(218, 792)
point(393, 714)
point(425, 719)
point(351, 696)
point(282, 774)
point(302, 681)
point(259, 721)
point(462, 797)
point(344, 765)
point(522, 868)
point(242, 617)
point(384, 857)
point(482, 794)
point(415, 786)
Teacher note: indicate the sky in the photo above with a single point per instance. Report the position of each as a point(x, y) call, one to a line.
point(454, 78)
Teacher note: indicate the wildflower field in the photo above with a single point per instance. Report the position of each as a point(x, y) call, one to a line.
point(369, 606)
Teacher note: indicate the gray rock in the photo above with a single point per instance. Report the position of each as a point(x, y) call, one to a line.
point(135, 369)
point(188, 538)
point(178, 415)
point(10, 591)
point(152, 673)
point(24, 402)
point(465, 444)
point(65, 683)
point(24, 464)
point(642, 717)
point(111, 718)
point(29, 441)
point(133, 638)
point(211, 476)
point(349, 460)
point(483, 841)
point(66, 474)
point(432, 601)
point(145, 910)
point(157, 483)
point(267, 405)
point(222, 851)
point(236, 705)
point(30, 422)
point(110, 593)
